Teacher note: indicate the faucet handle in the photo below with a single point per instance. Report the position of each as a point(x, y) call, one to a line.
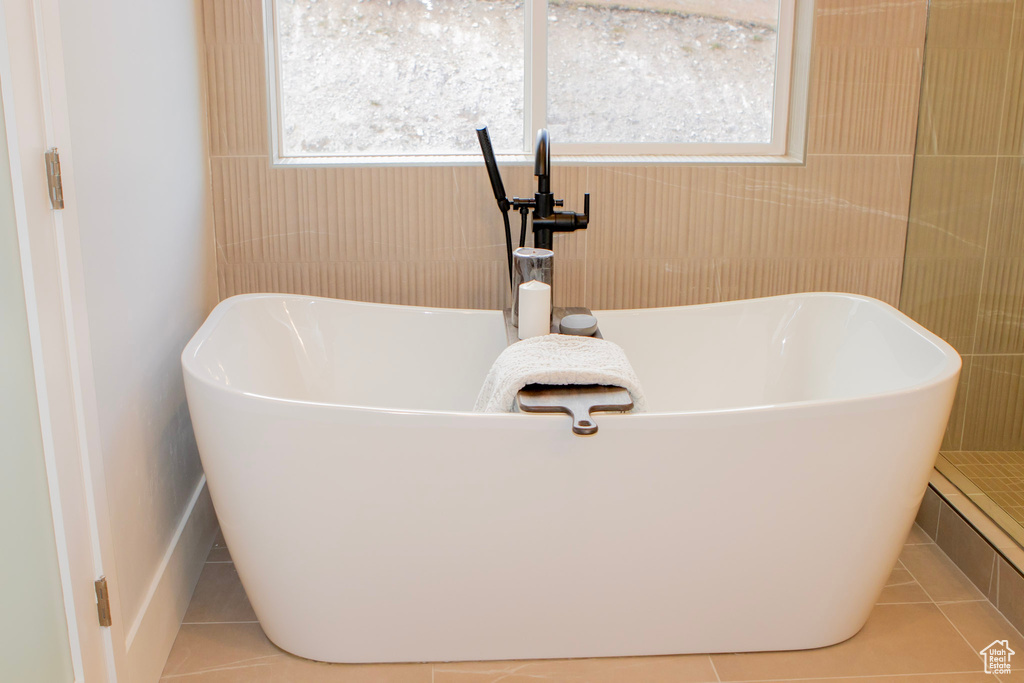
point(581, 220)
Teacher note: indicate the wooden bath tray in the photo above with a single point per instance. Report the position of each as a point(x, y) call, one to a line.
point(577, 401)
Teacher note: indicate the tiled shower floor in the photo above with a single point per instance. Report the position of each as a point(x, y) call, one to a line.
point(998, 474)
point(928, 625)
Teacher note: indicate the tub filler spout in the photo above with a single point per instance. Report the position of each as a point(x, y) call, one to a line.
point(546, 219)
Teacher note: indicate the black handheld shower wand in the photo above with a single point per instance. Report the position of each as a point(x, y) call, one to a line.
point(499, 194)
point(492, 168)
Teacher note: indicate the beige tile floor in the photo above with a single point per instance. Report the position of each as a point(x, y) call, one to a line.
point(928, 625)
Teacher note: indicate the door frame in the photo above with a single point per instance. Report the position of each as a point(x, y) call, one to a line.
point(36, 118)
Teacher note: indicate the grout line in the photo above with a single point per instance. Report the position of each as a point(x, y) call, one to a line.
point(938, 526)
point(1007, 81)
point(1008, 622)
point(992, 577)
point(988, 225)
point(962, 574)
point(998, 155)
point(923, 589)
point(235, 666)
point(714, 669)
point(960, 633)
point(207, 623)
point(856, 678)
point(999, 582)
point(981, 286)
point(970, 371)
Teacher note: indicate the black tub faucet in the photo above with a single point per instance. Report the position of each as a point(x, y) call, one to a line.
point(546, 220)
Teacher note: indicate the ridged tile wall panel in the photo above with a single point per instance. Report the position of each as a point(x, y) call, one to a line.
point(568, 287)
point(240, 214)
point(643, 283)
point(961, 101)
point(286, 224)
point(864, 100)
point(755, 216)
point(950, 206)
point(1013, 117)
point(1001, 308)
point(569, 183)
point(637, 212)
point(236, 77)
point(865, 201)
point(995, 405)
point(1006, 237)
point(233, 22)
point(888, 23)
point(952, 439)
point(481, 285)
point(436, 284)
point(964, 275)
point(747, 278)
point(1017, 35)
point(942, 294)
point(479, 231)
point(854, 206)
point(975, 23)
point(237, 125)
point(660, 235)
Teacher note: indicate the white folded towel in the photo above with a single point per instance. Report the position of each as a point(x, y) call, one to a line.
point(556, 359)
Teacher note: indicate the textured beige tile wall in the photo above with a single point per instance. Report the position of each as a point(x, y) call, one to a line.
point(659, 235)
point(964, 275)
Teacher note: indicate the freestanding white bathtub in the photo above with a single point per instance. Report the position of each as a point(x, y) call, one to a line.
point(760, 505)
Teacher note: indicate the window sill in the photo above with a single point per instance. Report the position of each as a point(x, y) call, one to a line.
point(528, 160)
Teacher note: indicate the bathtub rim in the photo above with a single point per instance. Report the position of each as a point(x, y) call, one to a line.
point(950, 370)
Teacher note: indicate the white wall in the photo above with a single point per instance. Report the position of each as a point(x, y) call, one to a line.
point(33, 630)
point(134, 99)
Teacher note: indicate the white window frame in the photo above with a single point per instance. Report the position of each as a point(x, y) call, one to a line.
point(789, 115)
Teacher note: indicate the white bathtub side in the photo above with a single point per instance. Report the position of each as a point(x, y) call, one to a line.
point(379, 536)
point(347, 352)
point(803, 347)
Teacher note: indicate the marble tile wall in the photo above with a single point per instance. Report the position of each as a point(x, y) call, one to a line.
point(964, 274)
point(660, 235)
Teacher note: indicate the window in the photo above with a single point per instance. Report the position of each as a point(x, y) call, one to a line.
point(409, 79)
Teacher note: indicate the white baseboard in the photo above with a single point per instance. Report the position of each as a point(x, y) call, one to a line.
point(152, 633)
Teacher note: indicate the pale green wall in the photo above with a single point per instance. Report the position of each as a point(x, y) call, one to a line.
point(33, 630)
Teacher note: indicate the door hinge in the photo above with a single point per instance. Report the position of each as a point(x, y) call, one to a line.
point(103, 601)
point(53, 180)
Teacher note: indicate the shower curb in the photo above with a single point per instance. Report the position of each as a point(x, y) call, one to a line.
point(986, 554)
